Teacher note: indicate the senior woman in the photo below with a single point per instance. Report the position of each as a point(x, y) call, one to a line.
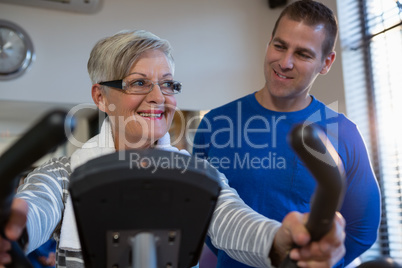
point(132, 76)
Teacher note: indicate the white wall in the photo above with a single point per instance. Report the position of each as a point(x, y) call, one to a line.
point(219, 46)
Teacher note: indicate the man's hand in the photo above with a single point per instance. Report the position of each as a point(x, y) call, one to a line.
point(318, 254)
point(14, 228)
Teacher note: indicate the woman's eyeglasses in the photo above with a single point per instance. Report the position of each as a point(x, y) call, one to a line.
point(144, 86)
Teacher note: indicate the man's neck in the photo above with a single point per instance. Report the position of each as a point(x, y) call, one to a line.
point(282, 104)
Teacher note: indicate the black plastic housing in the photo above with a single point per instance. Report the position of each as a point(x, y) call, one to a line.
point(137, 191)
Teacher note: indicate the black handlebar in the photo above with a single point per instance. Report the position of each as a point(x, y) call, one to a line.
point(44, 136)
point(320, 157)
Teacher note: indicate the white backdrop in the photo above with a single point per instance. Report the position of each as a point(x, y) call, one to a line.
point(219, 46)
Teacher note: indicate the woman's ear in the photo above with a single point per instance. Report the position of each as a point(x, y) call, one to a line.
point(328, 62)
point(98, 96)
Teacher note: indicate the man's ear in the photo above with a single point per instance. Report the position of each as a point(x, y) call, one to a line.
point(329, 60)
point(98, 96)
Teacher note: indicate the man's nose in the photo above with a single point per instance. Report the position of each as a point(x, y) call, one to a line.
point(286, 62)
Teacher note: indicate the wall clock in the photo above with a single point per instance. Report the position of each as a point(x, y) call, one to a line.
point(16, 50)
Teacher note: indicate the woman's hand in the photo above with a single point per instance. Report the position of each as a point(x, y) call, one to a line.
point(324, 253)
point(14, 228)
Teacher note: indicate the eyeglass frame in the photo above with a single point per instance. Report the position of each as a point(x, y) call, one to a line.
point(119, 85)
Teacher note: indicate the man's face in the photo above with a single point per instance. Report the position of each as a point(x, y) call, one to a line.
point(294, 59)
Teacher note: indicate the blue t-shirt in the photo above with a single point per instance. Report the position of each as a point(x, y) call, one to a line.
point(248, 143)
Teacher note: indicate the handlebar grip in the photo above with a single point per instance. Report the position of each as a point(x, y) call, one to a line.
point(322, 160)
point(19, 260)
point(45, 135)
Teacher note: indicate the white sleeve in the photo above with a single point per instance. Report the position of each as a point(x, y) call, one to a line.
point(45, 190)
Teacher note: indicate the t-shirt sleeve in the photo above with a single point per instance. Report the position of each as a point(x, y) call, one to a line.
point(362, 205)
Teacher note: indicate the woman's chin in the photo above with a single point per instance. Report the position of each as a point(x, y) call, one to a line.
point(147, 141)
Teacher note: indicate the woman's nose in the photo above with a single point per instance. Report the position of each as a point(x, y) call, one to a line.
point(156, 94)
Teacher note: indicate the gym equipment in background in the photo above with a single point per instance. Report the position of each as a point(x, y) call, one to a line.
point(384, 262)
point(43, 137)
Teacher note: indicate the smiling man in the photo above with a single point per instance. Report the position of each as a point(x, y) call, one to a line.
point(249, 135)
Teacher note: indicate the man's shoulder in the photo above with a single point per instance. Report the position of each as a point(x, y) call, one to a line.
point(330, 113)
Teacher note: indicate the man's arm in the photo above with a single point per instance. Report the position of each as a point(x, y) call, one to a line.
point(362, 203)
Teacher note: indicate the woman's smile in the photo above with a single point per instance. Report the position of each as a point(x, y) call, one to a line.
point(151, 114)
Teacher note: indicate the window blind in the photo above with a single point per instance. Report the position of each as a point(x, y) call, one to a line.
point(371, 44)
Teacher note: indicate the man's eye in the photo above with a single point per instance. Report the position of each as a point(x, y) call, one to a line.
point(305, 56)
point(279, 46)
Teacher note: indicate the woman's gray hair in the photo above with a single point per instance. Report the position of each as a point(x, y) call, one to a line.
point(112, 57)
